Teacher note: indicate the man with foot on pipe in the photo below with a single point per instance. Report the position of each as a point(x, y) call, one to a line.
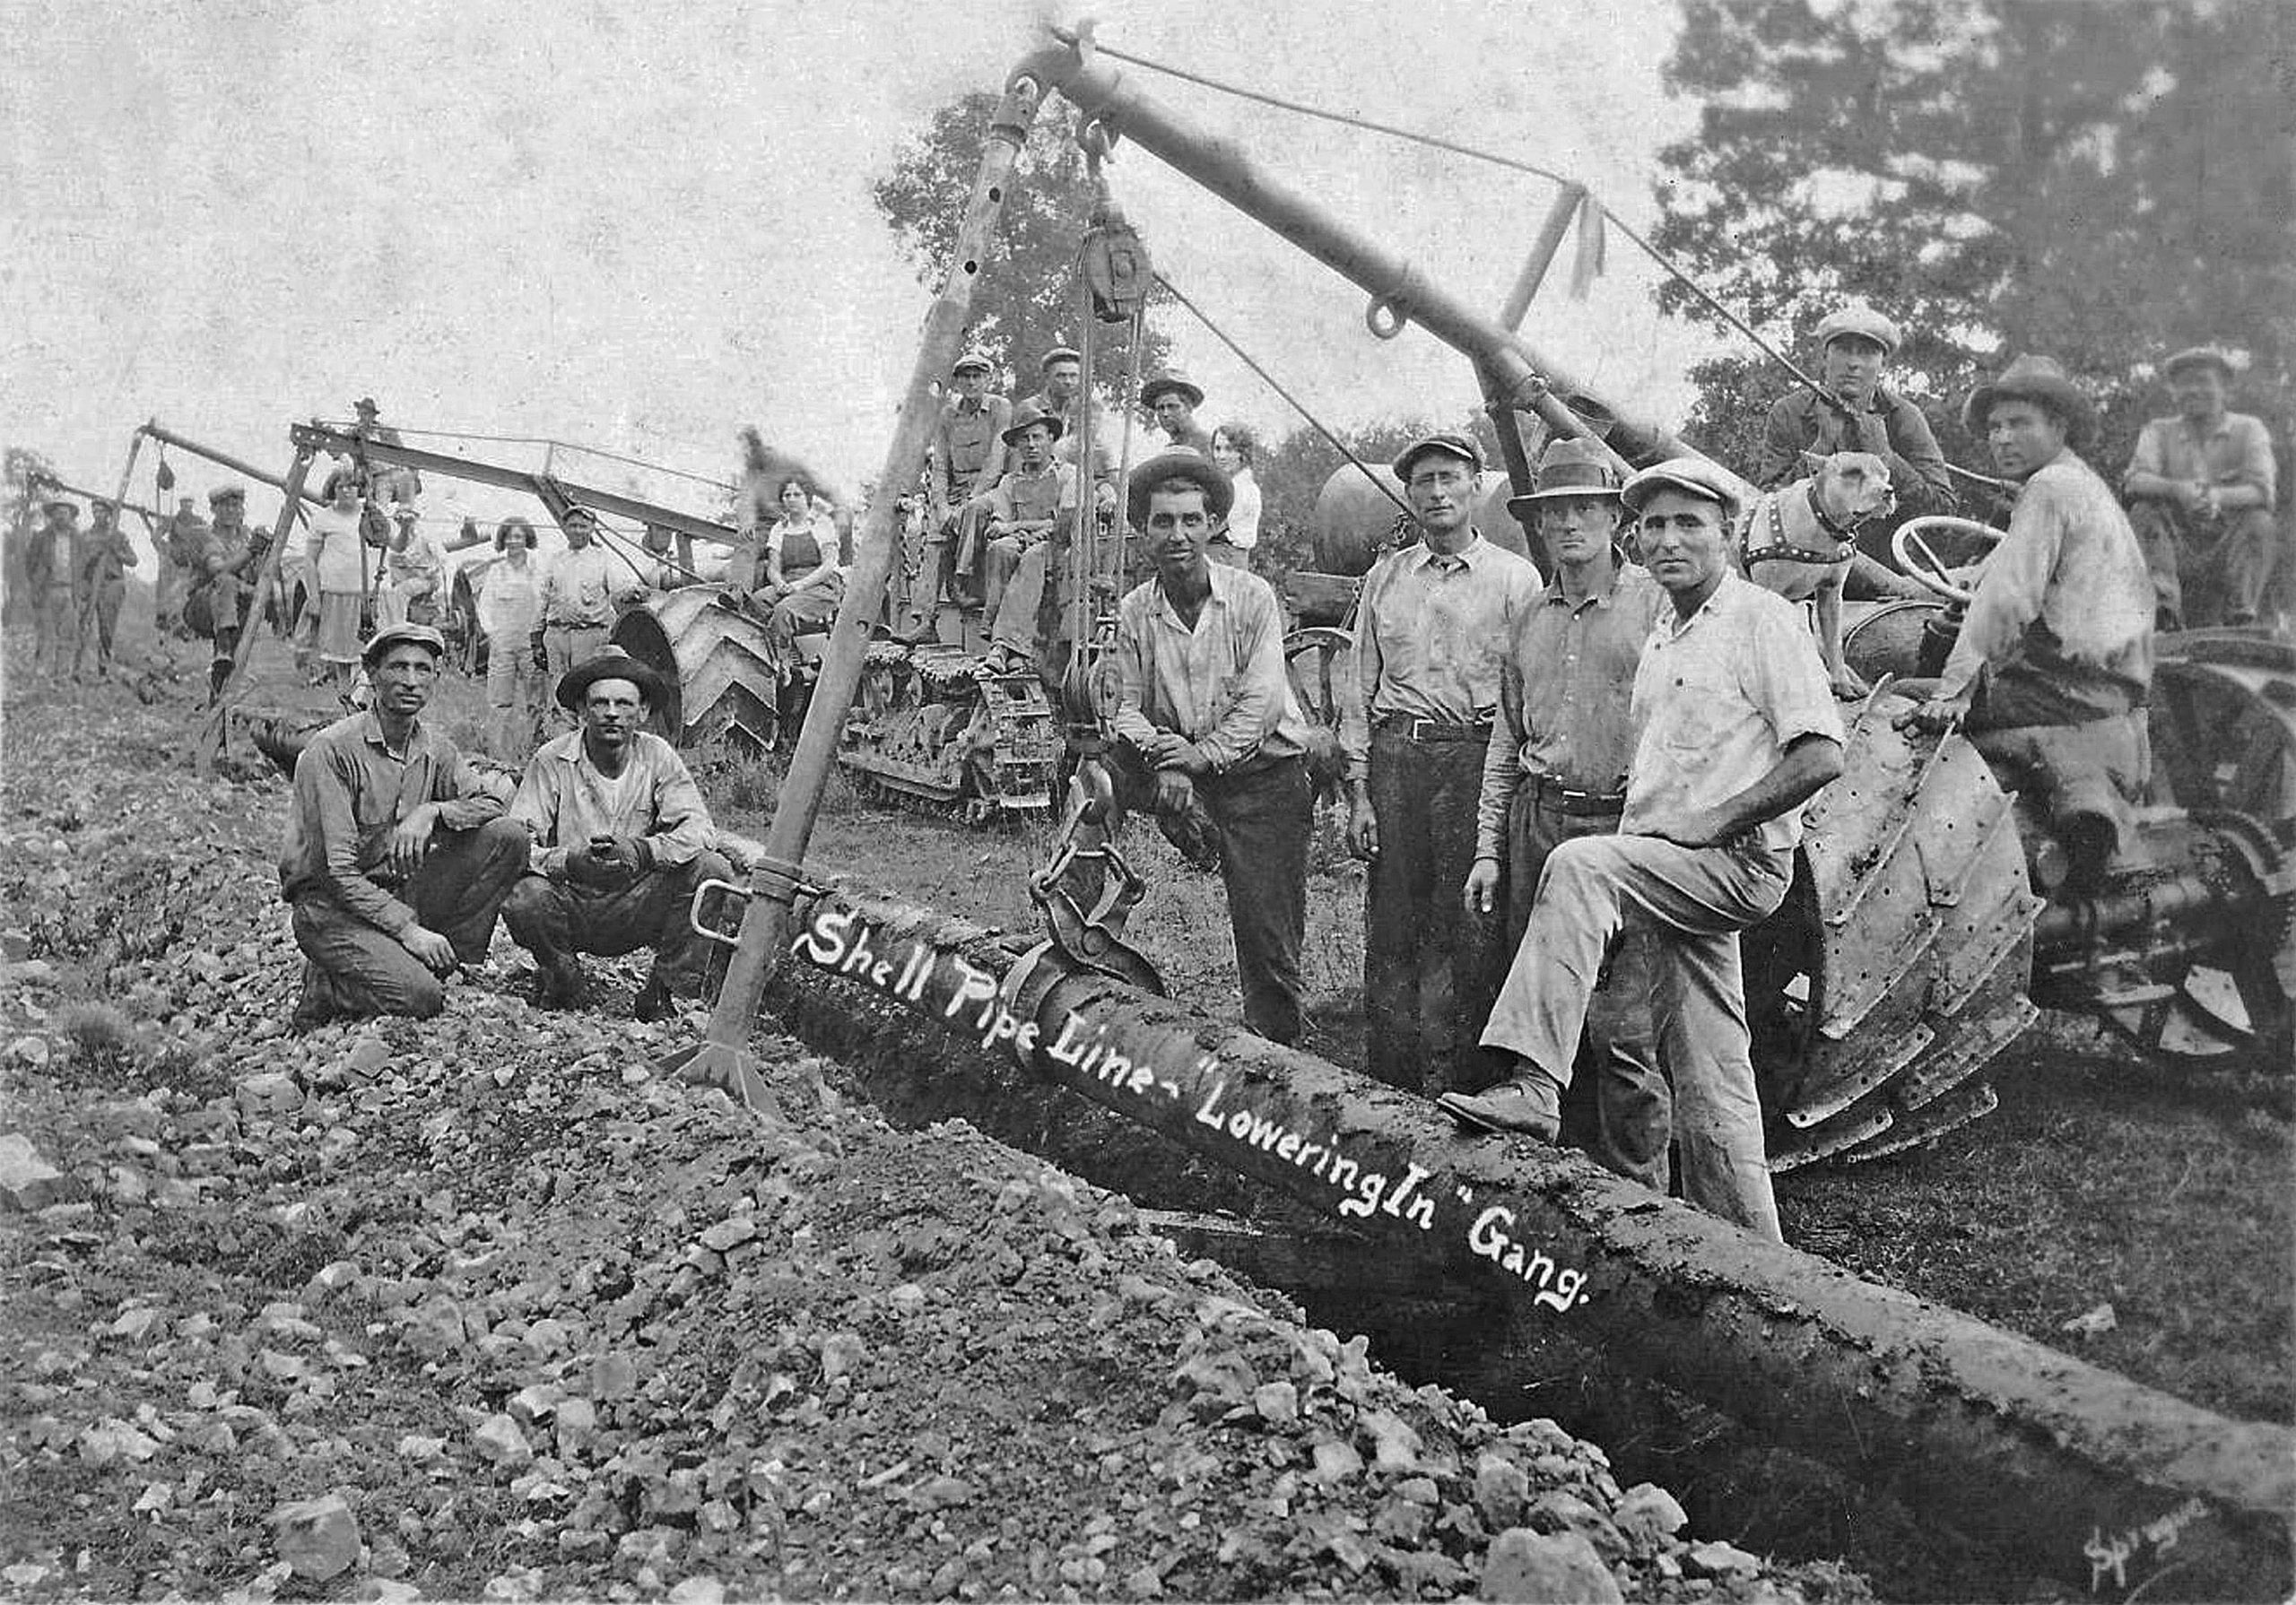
point(1736, 728)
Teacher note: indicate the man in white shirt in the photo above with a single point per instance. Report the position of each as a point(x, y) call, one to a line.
point(577, 596)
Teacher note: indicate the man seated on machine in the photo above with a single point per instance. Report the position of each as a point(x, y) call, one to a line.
point(621, 839)
point(1205, 720)
point(2049, 672)
point(1025, 505)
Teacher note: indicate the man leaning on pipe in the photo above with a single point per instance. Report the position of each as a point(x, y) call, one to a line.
point(1206, 722)
point(1736, 728)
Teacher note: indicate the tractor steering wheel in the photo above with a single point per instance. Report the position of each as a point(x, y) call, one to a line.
point(1921, 564)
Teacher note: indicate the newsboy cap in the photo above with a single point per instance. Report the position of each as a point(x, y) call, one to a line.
point(1694, 476)
point(1857, 318)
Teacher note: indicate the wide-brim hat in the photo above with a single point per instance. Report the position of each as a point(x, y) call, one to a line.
point(1027, 416)
point(365, 403)
point(1694, 476)
point(1856, 318)
point(2198, 356)
point(1170, 384)
point(1573, 466)
point(401, 635)
point(1219, 491)
point(612, 665)
point(1449, 441)
point(57, 504)
point(2036, 379)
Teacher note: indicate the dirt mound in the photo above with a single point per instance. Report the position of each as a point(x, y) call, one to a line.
point(480, 1306)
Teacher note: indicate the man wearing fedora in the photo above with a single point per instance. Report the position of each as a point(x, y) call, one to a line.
point(1857, 413)
point(1429, 628)
point(398, 854)
point(1734, 729)
point(2049, 672)
point(1026, 504)
point(1555, 770)
point(1205, 721)
point(621, 839)
point(391, 484)
point(2202, 488)
point(1172, 400)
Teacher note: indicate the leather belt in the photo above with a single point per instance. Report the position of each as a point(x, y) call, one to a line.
point(1549, 790)
point(1432, 730)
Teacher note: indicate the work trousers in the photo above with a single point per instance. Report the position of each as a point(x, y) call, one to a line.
point(563, 646)
point(1261, 817)
point(1617, 1106)
point(457, 892)
point(2205, 572)
point(1695, 901)
point(512, 695)
point(804, 613)
point(1431, 969)
point(554, 920)
point(56, 625)
point(100, 623)
point(1004, 555)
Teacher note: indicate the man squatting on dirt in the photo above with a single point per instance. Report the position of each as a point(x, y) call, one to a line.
point(621, 838)
point(1205, 716)
point(1735, 729)
point(1430, 624)
point(397, 856)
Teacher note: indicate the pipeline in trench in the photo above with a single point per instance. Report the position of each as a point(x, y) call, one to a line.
point(1820, 1415)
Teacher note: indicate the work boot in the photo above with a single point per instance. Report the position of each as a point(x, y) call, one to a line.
point(654, 1000)
point(1531, 1103)
point(558, 981)
point(315, 1005)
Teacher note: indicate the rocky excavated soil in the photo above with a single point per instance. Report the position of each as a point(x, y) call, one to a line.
point(482, 1307)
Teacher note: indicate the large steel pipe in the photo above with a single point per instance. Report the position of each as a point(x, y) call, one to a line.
point(2029, 1450)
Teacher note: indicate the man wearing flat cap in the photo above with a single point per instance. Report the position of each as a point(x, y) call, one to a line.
point(2202, 488)
point(1172, 401)
point(50, 579)
point(1061, 378)
point(1734, 729)
point(2050, 671)
point(1857, 413)
point(1555, 769)
point(398, 854)
point(577, 586)
point(1206, 722)
point(102, 560)
point(967, 455)
point(1430, 626)
point(621, 839)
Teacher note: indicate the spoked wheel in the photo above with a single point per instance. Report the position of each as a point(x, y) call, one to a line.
point(1944, 554)
point(2223, 730)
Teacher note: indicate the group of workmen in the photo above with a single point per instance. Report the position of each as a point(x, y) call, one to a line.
point(1574, 789)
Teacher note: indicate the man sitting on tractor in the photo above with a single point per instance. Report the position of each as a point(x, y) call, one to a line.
point(2201, 487)
point(2049, 672)
point(1027, 502)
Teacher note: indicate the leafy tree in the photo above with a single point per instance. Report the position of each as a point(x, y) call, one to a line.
point(2099, 183)
point(1028, 299)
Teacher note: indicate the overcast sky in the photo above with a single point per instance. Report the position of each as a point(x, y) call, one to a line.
point(643, 226)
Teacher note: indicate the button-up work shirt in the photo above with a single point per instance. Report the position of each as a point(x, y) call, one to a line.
point(2237, 451)
point(969, 446)
point(1221, 685)
point(1430, 631)
point(578, 587)
point(1024, 497)
point(1800, 423)
point(1566, 686)
point(103, 555)
point(350, 790)
point(565, 799)
point(1718, 699)
point(2068, 581)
